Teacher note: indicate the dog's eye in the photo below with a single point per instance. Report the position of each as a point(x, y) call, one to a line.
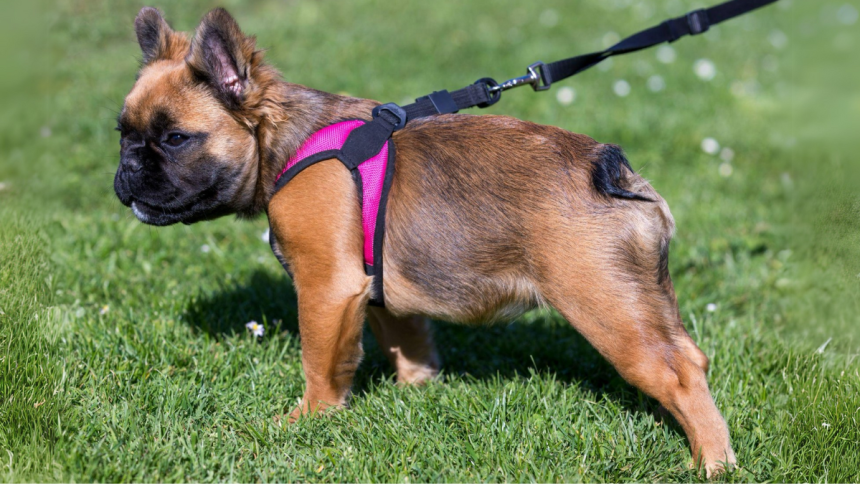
point(175, 139)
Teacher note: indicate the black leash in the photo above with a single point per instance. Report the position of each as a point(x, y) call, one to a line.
point(367, 140)
point(486, 92)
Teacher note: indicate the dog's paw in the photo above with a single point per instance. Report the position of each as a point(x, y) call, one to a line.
point(714, 467)
point(292, 417)
point(304, 410)
point(416, 375)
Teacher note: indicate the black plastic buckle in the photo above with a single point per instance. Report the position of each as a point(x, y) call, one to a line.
point(491, 88)
point(542, 81)
point(442, 101)
point(698, 21)
point(395, 110)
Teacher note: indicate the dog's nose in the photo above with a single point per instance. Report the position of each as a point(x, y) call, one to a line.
point(131, 162)
point(130, 156)
point(131, 159)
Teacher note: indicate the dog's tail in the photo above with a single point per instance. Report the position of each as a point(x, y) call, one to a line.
point(612, 175)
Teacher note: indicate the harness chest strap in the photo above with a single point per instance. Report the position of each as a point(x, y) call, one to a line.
point(372, 169)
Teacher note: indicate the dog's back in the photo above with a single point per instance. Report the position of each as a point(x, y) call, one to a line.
point(478, 200)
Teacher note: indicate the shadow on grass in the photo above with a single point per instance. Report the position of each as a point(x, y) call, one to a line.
point(545, 344)
point(265, 298)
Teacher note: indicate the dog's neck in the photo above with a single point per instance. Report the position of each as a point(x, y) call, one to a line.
point(288, 114)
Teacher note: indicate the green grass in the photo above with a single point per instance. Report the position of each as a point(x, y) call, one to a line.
point(123, 353)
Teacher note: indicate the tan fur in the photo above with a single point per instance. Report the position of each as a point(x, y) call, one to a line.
point(320, 241)
point(487, 217)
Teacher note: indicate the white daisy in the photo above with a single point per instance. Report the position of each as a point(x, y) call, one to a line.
point(256, 328)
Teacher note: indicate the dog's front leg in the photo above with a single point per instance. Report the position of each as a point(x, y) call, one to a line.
point(316, 222)
point(330, 324)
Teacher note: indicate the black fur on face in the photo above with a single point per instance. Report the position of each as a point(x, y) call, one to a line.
point(160, 175)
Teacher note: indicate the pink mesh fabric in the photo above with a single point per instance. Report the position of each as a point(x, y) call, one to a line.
point(372, 173)
point(372, 176)
point(329, 138)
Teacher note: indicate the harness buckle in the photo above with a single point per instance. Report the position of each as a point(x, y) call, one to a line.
point(698, 21)
point(394, 110)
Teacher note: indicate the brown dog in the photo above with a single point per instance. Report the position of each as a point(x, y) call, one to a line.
point(487, 217)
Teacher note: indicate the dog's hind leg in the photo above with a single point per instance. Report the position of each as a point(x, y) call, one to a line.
point(629, 327)
point(407, 343)
point(607, 276)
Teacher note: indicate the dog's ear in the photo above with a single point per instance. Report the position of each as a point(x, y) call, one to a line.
point(156, 38)
point(221, 55)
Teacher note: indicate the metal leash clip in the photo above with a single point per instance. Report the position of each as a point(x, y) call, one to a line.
point(536, 78)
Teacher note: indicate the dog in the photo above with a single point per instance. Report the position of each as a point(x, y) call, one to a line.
point(487, 217)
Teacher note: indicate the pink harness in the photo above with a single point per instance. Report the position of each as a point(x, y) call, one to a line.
point(372, 177)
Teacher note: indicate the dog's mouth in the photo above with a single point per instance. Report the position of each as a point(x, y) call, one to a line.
point(199, 207)
point(159, 216)
point(167, 214)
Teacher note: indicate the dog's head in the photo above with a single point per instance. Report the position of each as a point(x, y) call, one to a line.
point(188, 145)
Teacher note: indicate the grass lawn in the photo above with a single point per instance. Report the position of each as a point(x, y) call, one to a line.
point(123, 352)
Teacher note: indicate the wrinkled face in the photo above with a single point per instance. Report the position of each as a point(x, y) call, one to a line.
point(185, 156)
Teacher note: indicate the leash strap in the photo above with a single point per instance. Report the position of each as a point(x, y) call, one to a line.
point(694, 23)
point(486, 92)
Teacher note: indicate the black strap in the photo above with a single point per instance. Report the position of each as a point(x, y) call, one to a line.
point(694, 23)
point(487, 92)
point(468, 97)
